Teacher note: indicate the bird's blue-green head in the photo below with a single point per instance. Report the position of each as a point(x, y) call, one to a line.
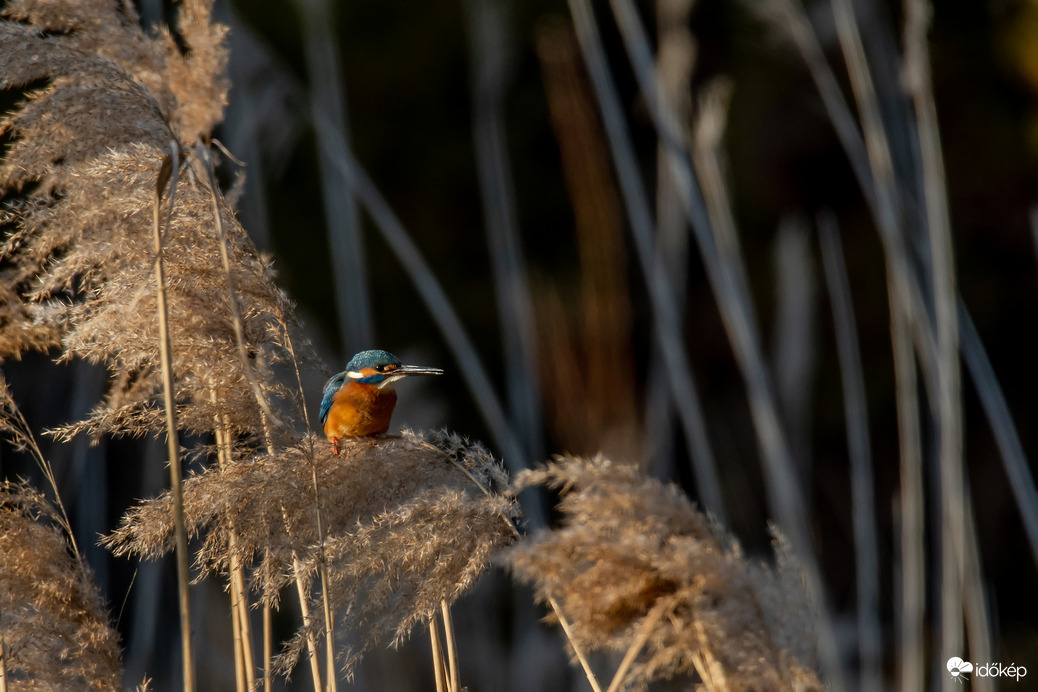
point(382, 368)
point(376, 368)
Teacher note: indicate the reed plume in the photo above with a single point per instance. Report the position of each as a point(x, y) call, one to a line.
point(406, 526)
point(53, 624)
point(81, 177)
point(637, 569)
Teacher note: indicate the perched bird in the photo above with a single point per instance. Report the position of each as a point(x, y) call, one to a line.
point(359, 401)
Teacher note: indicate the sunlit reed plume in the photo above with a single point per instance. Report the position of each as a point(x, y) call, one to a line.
point(53, 624)
point(635, 567)
point(406, 521)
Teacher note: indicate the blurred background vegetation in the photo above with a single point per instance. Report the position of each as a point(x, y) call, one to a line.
point(404, 78)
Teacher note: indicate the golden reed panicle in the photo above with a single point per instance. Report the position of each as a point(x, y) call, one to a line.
point(634, 565)
point(53, 624)
point(406, 527)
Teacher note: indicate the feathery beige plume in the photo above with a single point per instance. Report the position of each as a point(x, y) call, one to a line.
point(53, 625)
point(76, 270)
point(634, 565)
point(408, 522)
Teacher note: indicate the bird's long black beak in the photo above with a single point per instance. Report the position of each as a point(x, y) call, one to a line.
point(406, 370)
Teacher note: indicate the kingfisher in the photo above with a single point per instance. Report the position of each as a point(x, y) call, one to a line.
point(359, 401)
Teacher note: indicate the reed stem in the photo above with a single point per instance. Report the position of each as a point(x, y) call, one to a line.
point(650, 622)
point(452, 647)
point(170, 169)
point(568, 629)
point(437, 656)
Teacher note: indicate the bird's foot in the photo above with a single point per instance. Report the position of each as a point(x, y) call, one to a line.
point(335, 445)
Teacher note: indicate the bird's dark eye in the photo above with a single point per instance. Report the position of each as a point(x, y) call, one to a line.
point(380, 368)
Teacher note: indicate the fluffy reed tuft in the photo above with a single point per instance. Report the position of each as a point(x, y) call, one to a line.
point(80, 178)
point(635, 567)
point(53, 625)
point(408, 522)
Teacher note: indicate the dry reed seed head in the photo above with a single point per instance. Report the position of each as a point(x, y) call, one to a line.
point(633, 556)
point(190, 86)
point(269, 500)
point(404, 527)
point(392, 572)
point(55, 630)
point(107, 267)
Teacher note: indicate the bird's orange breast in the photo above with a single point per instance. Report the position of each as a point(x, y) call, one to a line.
point(359, 410)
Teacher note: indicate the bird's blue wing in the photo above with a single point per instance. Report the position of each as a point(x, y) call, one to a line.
point(330, 388)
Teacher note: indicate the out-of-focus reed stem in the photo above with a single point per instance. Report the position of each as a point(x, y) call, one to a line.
point(793, 20)
point(666, 320)
point(169, 172)
point(327, 97)
point(911, 503)
point(490, 50)
point(859, 448)
point(675, 59)
point(949, 454)
point(978, 619)
point(1021, 481)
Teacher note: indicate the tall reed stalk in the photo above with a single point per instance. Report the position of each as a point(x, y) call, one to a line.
point(169, 172)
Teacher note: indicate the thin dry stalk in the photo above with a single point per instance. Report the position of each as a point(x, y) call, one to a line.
point(490, 69)
point(14, 425)
point(241, 603)
point(170, 165)
point(3, 658)
point(578, 650)
point(243, 659)
point(452, 647)
point(862, 495)
point(636, 647)
point(911, 506)
point(202, 155)
point(240, 611)
point(329, 621)
point(439, 668)
point(239, 658)
point(955, 513)
point(268, 645)
point(304, 607)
